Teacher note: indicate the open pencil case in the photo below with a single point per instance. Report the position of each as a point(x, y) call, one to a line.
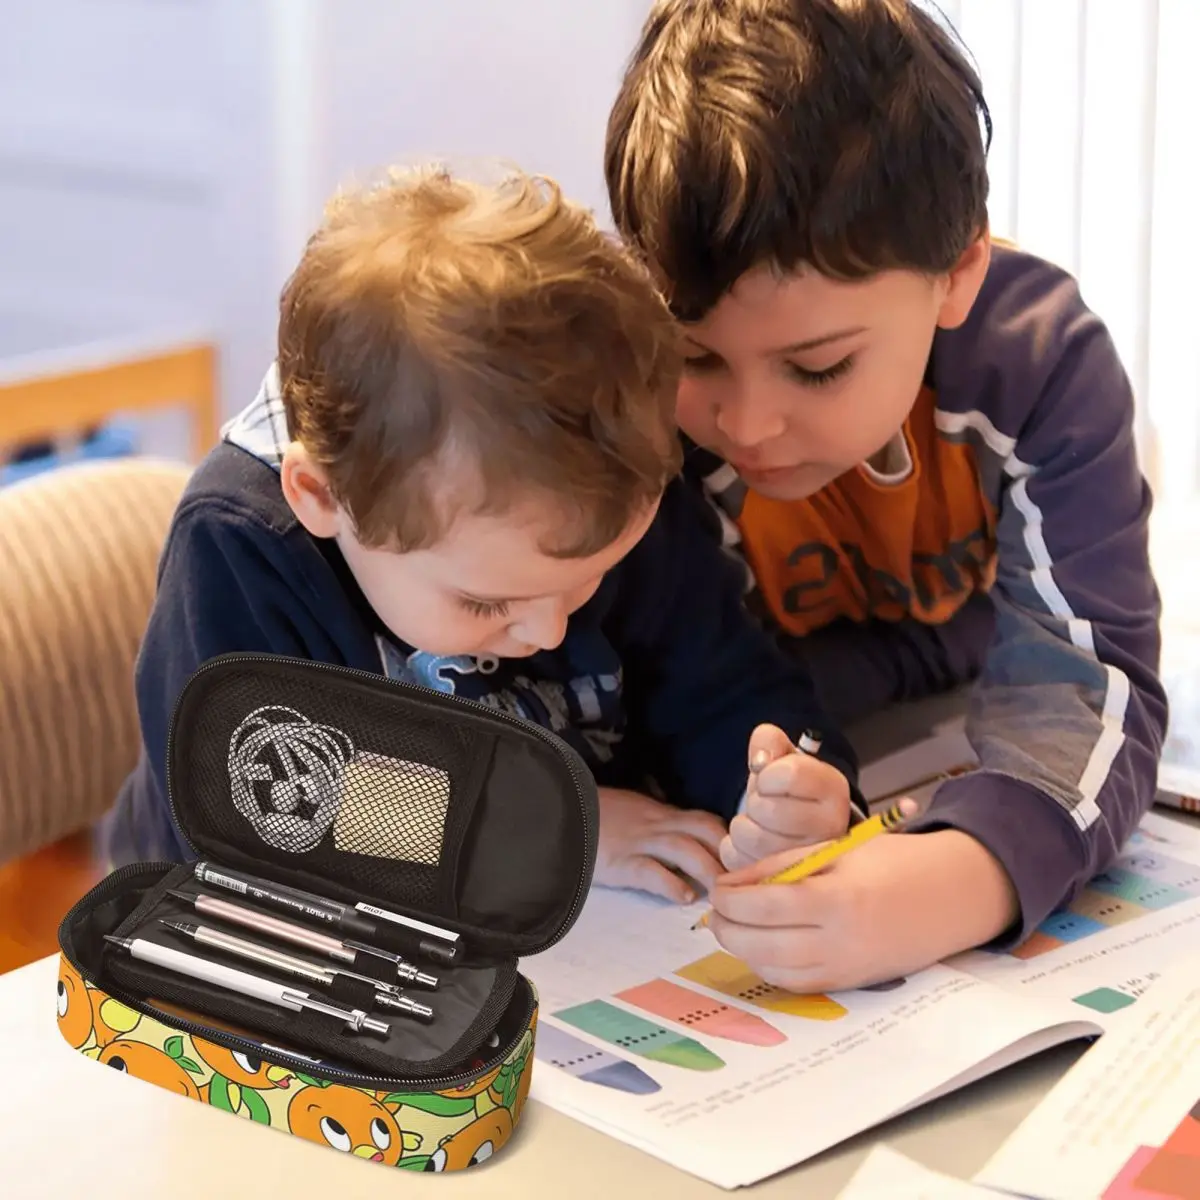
point(386, 797)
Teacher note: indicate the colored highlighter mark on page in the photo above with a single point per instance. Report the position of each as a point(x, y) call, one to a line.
point(1167, 1172)
point(731, 977)
point(591, 1064)
point(644, 1038)
point(662, 998)
point(1105, 1000)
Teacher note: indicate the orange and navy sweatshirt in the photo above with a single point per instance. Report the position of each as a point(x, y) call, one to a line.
point(1018, 476)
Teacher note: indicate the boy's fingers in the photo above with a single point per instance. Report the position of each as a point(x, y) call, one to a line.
point(769, 950)
point(752, 841)
point(760, 870)
point(684, 854)
point(664, 882)
point(799, 818)
point(647, 875)
point(767, 743)
point(772, 905)
point(798, 774)
point(732, 859)
point(707, 828)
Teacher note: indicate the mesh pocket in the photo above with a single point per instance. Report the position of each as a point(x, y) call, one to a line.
point(314, 772)
point(411, 827)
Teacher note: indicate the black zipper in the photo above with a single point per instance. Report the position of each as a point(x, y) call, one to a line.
point(231, 1041)
point(426, 695)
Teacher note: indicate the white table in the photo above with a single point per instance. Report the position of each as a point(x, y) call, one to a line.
point(72, 1128)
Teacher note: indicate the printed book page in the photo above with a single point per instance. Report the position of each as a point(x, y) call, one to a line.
point(1114, 939)
point(888, 1175)
point(1124, 1122)
point(649, 1032)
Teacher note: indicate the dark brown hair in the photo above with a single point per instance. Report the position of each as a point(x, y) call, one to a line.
point(843, 134)
point(445, 345)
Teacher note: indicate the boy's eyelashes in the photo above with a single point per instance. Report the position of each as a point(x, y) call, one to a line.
point(702, 364)
point(484, 608)
point(826, 375)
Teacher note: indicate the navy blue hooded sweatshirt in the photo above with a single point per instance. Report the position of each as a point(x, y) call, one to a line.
point(662, 674)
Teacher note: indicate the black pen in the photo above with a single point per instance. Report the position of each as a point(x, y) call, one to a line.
point(432, 941)
point(277, 895)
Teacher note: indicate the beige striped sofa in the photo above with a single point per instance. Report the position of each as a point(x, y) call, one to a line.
point(79, 550)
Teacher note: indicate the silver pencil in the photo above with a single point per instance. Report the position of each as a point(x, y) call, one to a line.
point(300, 935)
point(386, 995)
point(244, 983)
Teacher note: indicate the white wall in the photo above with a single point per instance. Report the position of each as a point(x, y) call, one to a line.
point(531, 81)
point(161, 161)
point(130, 134)
point(106, 183)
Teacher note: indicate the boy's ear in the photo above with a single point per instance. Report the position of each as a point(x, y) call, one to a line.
point(964, 281)
point(306, 489)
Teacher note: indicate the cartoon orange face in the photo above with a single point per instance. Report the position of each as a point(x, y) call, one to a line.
point(74, 1006)
point(150, 1064)
point(351, 1121)
point(474, 1143)
point(474, 1088)
point(84, 1012)
point(244, 1069)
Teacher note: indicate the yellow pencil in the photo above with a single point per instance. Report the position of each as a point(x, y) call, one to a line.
point(864, 831)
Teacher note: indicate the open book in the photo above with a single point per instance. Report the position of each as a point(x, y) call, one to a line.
point(1124, 1122)
point(651, 1033)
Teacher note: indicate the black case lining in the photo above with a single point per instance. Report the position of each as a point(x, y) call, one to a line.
point(504, 818)
point(467, 1006)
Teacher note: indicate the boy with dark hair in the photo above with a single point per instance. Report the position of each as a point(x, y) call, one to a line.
point(922, 443)
point(461, 473)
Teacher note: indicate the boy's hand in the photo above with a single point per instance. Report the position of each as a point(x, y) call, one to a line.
point(649, 845)
point(895, 905)
point(792, 799)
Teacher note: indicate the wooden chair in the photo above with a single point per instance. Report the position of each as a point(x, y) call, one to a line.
point(79, 549)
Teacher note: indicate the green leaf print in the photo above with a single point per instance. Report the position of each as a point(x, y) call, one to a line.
point(256, 1106)
point(311, 1081)
point(173, 1047)
point(435, 1105)
point(189, 1065)
point(414, 1162)
point(218, 1093)
point(505, 1084)
point(509, 1078)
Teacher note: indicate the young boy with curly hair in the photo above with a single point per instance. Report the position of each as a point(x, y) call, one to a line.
point(462, 472)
